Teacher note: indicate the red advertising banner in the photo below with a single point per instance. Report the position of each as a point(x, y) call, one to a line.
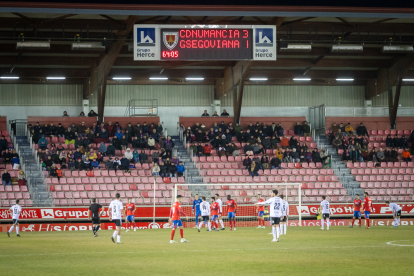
point(58, 227)
point(70, 213)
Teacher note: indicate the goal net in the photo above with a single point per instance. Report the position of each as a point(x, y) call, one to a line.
point(245, 195)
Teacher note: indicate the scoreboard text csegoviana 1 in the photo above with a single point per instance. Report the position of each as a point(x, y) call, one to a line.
point(172, 42)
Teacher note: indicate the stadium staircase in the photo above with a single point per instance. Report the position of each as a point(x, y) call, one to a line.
point(38, 189)
point(339, 167)
point(192, 174)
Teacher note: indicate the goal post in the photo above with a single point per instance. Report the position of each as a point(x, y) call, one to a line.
point(245, 195)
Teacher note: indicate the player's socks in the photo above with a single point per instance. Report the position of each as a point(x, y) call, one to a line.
point(114, 234)
point(182, 233)
point(11, 228)
point(368, 222)
point(277, 232)
point(360, 222)
point(118, 238)
point(322, 222)
point(221, 223)
point(93, 229)
point(201, 224)
point(398, 221)
point(395, 222)
point(17, 230)
point(327, 224)
point(285, 227)
point(353, 220)
point(172, 233)
point(97, 228)
point(234, 223)
point(274, 232)
point(209, 226)
point(133, 225)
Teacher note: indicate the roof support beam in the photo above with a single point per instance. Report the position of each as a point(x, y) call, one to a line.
point(393, 102)
point(296, 21)
point(344, 21)
point(99, 72)
point(388, 77)
point(111, 19)
point(232, 77)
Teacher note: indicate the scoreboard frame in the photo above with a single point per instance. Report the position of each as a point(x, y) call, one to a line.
point(204, 42)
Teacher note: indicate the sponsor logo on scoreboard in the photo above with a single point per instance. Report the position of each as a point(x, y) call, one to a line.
point(146, 41)
point(170, 39)
point(264, 37)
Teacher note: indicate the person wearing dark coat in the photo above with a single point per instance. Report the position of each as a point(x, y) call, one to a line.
point(135, 143)
point(298, 129)
point(276, 163)
point(362, 130)
point(124, 164)
point(143, 157)
point(7, 157)
point(246, 162)
point(389, 142)
point(306, 129)
point(117, 143)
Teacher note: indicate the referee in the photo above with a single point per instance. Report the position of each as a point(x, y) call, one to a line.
point(96, 220)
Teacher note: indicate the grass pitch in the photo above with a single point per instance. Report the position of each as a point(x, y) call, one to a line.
point(247, 251)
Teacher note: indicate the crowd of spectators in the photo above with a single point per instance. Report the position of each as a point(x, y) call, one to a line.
point(215, 114)
point(132, 140)
point(258, 138)
point(354, 144)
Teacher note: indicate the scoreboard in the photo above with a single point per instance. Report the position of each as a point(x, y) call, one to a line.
point(198, 42)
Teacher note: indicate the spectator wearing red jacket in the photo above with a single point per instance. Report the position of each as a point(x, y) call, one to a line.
point(207, 150)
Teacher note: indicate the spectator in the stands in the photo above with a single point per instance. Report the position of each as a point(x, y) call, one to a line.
point(60, 131)
point(95, 164)
point(43, 142)
point(353, 155)
point(143, 157)
point(323, 154)
point(274, 141)
point(327, 163)
point(3, 144)
point(406, 156)
point(110, 129)
point(65, 114)
point(279, 130)
point(135, 156)
point(248, 149)
point(309, 156)
point(362, 130)
point(253, 169)
point(102, 149)
point(380, 155)
point(293, 142)
point(117, 143)
point(78, 142)
point(279, 153)
point(393, 156)
point(21, 178)
point(125, 164)
point(237, 128)
point(7, 157)
point(52, 171)
point(205, 114)
point(403, 142)
point(302, 155)
point(315, 156)
point(215, 114)
point(129, 155)
point(266, 143)
point(357, 146)
point(135, 143)
point(199, 150)
point(276, 163)
point(265, 162)
point(341, 127)
point(207, 150)
point(306, 129)
point(81, 129)
point(224, 113)
point(295, 156)
point(284, 142)
point(257, 149)
point(236, 151)
point(246, 161)
point(63, 157)
point(298, 129)
point(335, 128)
point(345, 155)
point(228, 136)
point(116, 163)
point(92, 113)
point(155, 170)
point(6, 178)
point(389, 142)
point(119, 134)
point(49, 162)
point(110, 150)
point(69, 137)
point(82, 114)
point(286, 156)
point(349, 129)
point(396, 141)
point(180, 169)
point(339, 134)
point(151, 143)
point(169, 145)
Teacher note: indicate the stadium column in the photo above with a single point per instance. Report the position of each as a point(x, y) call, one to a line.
point(233, 82)
point(100, 71)
point(393, 102)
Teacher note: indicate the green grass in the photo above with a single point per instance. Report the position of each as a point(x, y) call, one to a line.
point(247, 251)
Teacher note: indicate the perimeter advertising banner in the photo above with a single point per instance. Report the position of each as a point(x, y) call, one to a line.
point(69, 213)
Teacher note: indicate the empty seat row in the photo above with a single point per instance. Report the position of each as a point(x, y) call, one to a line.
point(365, 185)
point(113, 180)
point(393, 198)
point(373, 178)
point(117, 187)
point(383, 165)
point(384, 132)
point(267, 172)
point(13, 188)
point(23, 202)
point(12, 195)
point(389, 191)
point(382, 171)
point(271, 179)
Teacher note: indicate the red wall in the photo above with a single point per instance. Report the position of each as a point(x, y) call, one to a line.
point(287, 122)
point(123, 121)
point(3, 123)
point(207, 121)
point(65, 121)
point(372, 123)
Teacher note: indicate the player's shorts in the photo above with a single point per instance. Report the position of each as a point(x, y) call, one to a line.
point(214, 217)
point(325, 216)
point(398, 214)
point(177, 223)
point(118, 222)
point(198, 214)
point(367, 214)
point(206, 218)
point(357, 214)
point(130, 218)
point(260, 214)
point(96, 220)
point(275, 221)
point(16, 221)
point(284, 219)
point(231, 215)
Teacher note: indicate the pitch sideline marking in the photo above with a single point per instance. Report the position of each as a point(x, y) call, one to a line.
point(235, 249)
point(392, 243)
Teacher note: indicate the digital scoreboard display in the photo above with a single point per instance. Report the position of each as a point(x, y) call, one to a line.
point(206, 44)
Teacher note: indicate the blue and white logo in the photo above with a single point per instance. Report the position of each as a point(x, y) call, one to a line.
point(264, 37)
point(146, 37)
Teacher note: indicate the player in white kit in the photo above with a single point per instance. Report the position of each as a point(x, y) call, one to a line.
point(324, 207)
point(218, 200)
point(115, 212)
point(205, 213)
point(396, 213)
point(15, 211)
point(285, 213)
point(275, 213)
